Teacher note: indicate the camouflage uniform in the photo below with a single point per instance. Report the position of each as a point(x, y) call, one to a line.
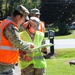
point(30, 70)
point(36, 13)
point(12, 34)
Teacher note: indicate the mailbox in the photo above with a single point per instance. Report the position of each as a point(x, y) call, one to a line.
point(51, 34)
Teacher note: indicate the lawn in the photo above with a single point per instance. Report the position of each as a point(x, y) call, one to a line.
point(59, 63)
point(60, 67)
point(70, 36)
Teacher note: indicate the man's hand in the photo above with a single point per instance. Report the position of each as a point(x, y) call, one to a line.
point(44, 50)
point(31, 45)
point(28, 58)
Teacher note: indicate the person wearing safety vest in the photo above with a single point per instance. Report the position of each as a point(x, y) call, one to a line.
point(10, 42)
point(36, 13)
point(32, 63)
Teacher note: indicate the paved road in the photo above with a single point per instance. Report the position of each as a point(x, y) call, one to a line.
point(64, 43)
point(17, 70)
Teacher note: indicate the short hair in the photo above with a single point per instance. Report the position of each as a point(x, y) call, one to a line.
point(15, 13)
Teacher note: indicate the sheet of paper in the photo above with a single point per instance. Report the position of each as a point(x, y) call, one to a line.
point(44, 45)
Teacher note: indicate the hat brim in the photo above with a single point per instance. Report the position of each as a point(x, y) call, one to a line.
point(37, 13)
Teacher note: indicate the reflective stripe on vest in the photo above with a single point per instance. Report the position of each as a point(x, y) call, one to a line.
point(8, 54)
point(0, 35)
point(7, 48)
point(41, 27)
point(37, 57)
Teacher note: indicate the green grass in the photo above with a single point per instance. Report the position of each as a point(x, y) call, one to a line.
point(65, 53)
point(60, 67)
point(59, 63)
point(70, 36)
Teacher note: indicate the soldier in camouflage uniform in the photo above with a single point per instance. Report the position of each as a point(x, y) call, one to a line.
point(26, 62)
point(11, 33)
point(36, 13)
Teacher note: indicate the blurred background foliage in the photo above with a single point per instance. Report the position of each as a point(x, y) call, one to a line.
point(7, 6)
point(58, 15)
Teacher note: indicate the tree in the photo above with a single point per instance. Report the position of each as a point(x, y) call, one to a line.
point(1, 10)
point(61, 11)
point(53, 10)
point(10, 5)
point(32, 4)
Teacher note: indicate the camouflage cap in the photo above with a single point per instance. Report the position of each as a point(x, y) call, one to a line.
point(35, 11)
point(22, 10)
point(36, 20)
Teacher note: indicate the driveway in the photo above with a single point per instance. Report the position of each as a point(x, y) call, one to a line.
point(63, 43)
point(17, 70)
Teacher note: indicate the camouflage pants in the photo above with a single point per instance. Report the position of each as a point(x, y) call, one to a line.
point(30, 70)
point(6, 69)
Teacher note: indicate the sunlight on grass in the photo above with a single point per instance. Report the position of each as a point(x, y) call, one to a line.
point(59, 63)
point(60, 67)
point(65, 53)
point(70, 36)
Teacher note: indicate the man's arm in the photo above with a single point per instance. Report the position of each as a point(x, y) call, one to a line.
point(12, 34)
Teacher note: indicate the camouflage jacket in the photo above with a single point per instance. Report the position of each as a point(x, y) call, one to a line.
point(12, 34)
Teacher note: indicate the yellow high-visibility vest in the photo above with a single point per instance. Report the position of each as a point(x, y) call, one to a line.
point(37, 57)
